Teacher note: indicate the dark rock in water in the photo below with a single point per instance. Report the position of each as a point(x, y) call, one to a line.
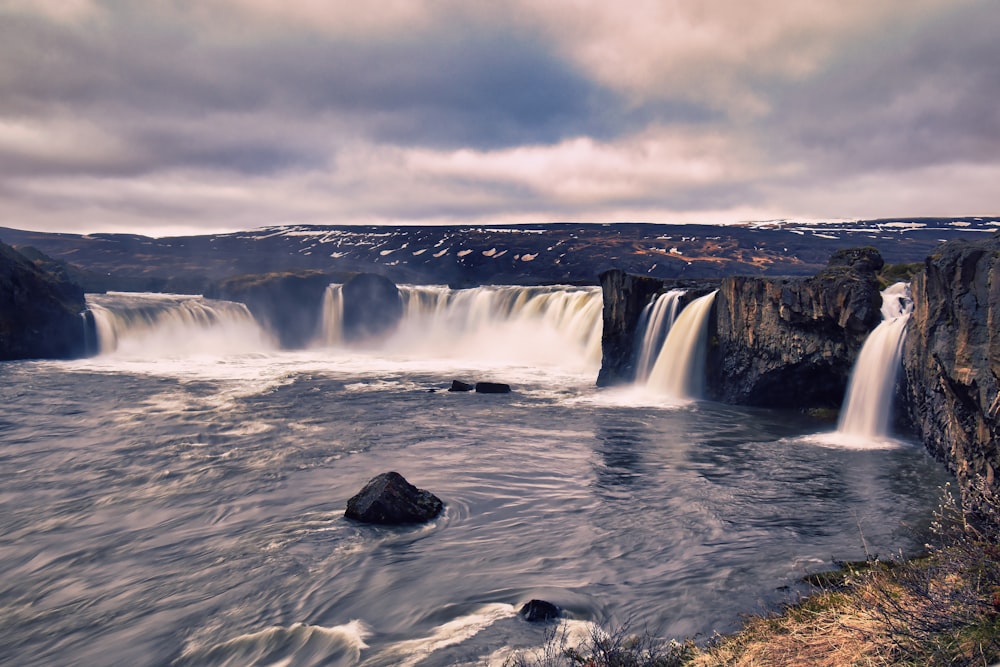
point(289, 305)
point(539, 611)
point(458, 385)
point(389, 499)
point(372, 307)
point(792, 342)
point(951, 359)
point(42, 314)
point(492, 388)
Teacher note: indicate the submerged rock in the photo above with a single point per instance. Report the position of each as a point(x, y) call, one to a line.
point(539, 611)
point(492, 388)
point(458, 385)
point(389, 499)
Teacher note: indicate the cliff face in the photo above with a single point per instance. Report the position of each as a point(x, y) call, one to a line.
point(289, 305)
point(792, 342)
point(951, 358)
point(40, 313)
point(625, 296)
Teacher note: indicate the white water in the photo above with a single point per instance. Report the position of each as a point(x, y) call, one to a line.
point(679, 371)
point(332, 321)
point(172, 325)
point(655, 323)
point(551, 326)
point(868, 406)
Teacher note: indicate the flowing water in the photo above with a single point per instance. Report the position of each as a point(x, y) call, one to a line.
point(679, 371)
point(868, 406)
point(179, 500)
point(655, 322)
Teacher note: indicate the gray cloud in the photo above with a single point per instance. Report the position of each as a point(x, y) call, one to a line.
point(235, 113)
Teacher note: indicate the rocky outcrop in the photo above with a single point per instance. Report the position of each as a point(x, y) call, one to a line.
point(389, 499)
point(539, 611)
point(492, 388)
point(951, 358)
point(289, 305)
point(42, 315)
point(372, 307)
point(792, 342)
point(625, 296)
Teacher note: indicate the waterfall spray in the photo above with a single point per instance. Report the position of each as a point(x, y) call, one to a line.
point(655, 322)
point(679, 371)
point(868, 406)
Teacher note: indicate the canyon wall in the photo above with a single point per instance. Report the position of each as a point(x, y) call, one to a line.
point(42, 314)
point(951, 358)
point(791, 343)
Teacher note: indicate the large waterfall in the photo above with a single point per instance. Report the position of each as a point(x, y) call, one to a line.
point(558, 324)
point(868, 406)
point(159, 325)
point(655, 323)
point(679, 371)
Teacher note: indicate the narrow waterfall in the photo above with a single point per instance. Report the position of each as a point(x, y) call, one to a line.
point(679, 371)
point(529, 324)
point(868, 406)
point(161, 325)
point(332, 320)
point(654, 324)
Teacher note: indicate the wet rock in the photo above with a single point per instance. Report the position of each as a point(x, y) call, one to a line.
point(288, 304)
point(458, 385)
point(389, 499)
point(792, 342)
point(372, 307)
point(540, 611)
point(492, 388)
point(42, 313)
point(625, 295)
point(951, 359)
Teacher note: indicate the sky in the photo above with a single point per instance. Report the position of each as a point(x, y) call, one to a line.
point(166, 117)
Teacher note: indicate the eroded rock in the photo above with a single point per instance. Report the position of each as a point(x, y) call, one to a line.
point(389, 499)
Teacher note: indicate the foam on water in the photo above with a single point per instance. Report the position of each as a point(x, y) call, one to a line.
point(297, 644)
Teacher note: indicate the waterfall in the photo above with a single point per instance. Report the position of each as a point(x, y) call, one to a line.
point(332, 320)
point(559, 324)
point(654, 324)
point(679, 371)
point(162, 325)
point(868, 406)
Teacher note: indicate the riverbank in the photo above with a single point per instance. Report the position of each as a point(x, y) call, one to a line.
point(942, 608)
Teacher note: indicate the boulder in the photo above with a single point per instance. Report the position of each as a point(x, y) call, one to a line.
point(458, 385)
point(540, 611)
point(372, 307)
point(42, 314)
point(492, 388)
point(389, 499)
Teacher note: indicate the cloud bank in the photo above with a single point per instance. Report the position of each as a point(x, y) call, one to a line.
point(167, 117)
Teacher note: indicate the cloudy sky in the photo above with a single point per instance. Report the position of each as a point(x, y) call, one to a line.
point(185, 116)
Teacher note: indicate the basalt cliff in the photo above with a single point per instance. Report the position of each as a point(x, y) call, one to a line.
point(792, 342)
point(951, 358)
point(42, 313)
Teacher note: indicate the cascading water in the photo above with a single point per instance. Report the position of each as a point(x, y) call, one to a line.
point(558, 324)
point(170, 324)
point(654, 324)
point(332, 320)
point(679, 371)
point(868, 406)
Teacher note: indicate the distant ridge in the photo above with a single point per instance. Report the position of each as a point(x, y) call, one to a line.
point(479, 254)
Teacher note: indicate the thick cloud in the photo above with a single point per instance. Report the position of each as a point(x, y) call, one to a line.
point(222, 114)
